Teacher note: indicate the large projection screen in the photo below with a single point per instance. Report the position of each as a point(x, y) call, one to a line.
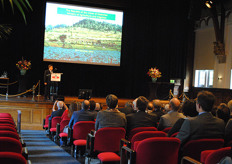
point(78, 34)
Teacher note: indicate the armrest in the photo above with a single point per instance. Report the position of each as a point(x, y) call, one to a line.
point(90, 144)
point(57, 129)
point(22, 142)
point(70, 136)
point(92, 132)
point(189, 159)
point(128, 156)
point(124, 142)
point(25, 153)
point(49, 124)
point(44, 123)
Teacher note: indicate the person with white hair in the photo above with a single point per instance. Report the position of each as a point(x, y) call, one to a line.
point(61, 108)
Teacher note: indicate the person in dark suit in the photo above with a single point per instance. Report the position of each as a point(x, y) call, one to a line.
point(128, 108)
point(189, 110)
point(92, 108)
point(82, 115)
point(157, 109)
point(47, 81)
point(61, 108)
point(205, 125)
point(140, 118)
point(110, 117)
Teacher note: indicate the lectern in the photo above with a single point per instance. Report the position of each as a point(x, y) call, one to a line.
point(55, 79)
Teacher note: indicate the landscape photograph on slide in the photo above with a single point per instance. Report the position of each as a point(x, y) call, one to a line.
point(77, 34)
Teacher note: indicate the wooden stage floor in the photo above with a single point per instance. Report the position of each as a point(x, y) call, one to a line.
point(33, 112)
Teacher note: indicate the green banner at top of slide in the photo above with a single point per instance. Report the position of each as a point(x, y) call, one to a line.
point(83, 13)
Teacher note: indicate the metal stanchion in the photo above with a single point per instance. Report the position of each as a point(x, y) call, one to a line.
point(19, 122)
point(39, 91)
point(33, 91)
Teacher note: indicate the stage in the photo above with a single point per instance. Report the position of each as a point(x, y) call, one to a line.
point(33, 111)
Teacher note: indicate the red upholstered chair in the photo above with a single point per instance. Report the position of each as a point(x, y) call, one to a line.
point(52, 124)
point(9, 134)
point(9, 144)
point(194, 148)
point(7, 121)
point(144, 135)
point(59, 128)
point(4, 115)
point(166, 130)
point(174, 134)
point(46, 122)
point(105, 141)
point(210, 156)
point(8, 128)
point(160, 150)
point(140, 129)
point(79, 134)
point(12, 157)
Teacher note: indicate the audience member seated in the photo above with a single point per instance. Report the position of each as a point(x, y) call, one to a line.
point(150, 107)
point(92, 108)
point(82, 115)
point(68, 112)
point(128, 108)
point(78, 106)
point(98, 107)
point(169, 119)
point(229, 104)
point(110, 117)
point(61, 108)
point(223, 112)
point(189, 110)
point(205, 125)
point(140, 118)
point(157, 110)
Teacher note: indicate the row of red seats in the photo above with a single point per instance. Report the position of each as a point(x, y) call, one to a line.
point(12, 149)
point(149, 145)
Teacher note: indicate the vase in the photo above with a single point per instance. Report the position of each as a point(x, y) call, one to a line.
point(23, 71)
point(153, 79)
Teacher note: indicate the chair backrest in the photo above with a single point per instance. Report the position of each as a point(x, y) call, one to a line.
point(108, 139)
point(6, 121)
point(12, 157)
point(146, 134)
point(8, 128)
point(47, 119)
point(158, 150)
point(63, 123)
point(194, 148)
point(5, 133)
point(82, 128)
point(174, 134)
point(217, 155)
point(140, 129)
point(5, 115)
point(9, 144)
point(166, 130)
point(55, 120)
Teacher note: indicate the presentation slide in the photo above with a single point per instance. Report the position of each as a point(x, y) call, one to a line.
point(87, 35)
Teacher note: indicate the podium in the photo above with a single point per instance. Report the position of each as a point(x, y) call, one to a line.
point(55, 79)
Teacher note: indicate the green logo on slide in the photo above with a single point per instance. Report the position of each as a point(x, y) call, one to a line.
point(83, 13)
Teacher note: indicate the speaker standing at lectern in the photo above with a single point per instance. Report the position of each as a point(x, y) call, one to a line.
point(47, 81)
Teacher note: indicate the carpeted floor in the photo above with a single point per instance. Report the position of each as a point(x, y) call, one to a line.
point(42, 150)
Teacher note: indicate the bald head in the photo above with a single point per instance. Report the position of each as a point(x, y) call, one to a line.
point(157, 104)
point(230, 105)
point(174, 104)
point(85, 104)
point(60, 104)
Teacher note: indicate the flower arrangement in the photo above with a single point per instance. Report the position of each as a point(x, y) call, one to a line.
point(23, 64)
point(154, 73)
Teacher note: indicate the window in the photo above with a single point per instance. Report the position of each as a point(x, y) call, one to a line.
point(204, 78)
